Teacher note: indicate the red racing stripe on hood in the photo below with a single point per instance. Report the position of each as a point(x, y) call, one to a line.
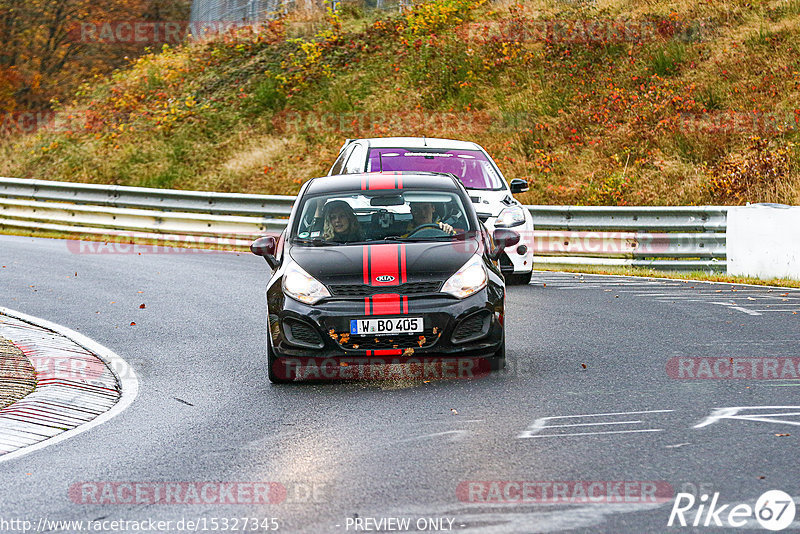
point(386, 304)
point(385, 260)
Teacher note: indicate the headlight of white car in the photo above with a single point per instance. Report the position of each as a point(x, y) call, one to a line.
point(510, 217)
point(300, 285)
point(469, 279)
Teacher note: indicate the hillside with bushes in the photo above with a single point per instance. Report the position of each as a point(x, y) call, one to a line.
point(597, 103)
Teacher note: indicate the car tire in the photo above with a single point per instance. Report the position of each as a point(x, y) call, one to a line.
point(519, 279)
point(272, 360)
point(498, 361)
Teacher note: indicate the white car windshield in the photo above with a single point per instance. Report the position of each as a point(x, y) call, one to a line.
point(472, 167)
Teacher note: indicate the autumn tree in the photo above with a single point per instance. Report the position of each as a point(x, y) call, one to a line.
point(45, 56)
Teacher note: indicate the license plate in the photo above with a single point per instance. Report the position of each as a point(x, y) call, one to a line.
point(392, 325)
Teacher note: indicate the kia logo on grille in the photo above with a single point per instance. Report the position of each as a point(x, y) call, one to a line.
point(384, 278)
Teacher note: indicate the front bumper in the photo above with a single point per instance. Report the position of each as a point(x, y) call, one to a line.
point(470, 327)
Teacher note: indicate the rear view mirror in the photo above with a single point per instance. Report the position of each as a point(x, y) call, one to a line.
point(503, 237)
point(265, 246)
point(387, 200)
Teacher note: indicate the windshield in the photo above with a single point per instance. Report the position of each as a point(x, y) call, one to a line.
point(380, 216)
point(472, 167)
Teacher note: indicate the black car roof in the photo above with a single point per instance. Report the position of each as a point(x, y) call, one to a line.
point(373, 181)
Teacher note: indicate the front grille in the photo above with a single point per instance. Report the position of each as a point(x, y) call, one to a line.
point(361, 290)
point(473, 327)
point(399, 341)
point(301, 334)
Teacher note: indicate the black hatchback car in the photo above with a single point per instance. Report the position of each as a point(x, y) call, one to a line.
point(382, 268)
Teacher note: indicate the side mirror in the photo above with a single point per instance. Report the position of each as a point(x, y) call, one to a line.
point(503, 237)
point(265, 246)
point(518, 185)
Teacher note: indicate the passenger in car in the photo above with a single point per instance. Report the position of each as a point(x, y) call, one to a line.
point(341, 223)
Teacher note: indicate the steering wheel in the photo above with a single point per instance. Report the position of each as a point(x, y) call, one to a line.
point(425, 227)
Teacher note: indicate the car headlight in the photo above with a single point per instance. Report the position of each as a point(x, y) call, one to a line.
point(301, 286)
point(469, 279)
point(510, 217)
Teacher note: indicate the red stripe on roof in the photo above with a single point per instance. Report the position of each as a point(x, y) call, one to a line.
point(381, 181)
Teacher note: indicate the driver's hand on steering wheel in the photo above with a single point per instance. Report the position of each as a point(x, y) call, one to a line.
point(447, 228)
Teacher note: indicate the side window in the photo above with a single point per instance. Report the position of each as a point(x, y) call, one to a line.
point(338, 165)
point(357, 161)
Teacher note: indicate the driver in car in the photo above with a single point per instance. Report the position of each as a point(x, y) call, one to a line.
point(423, 213)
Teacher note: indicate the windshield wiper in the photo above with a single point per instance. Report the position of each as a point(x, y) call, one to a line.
point(422, 238)
point(317, 242)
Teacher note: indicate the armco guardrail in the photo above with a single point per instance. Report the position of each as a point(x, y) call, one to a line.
point(662, 237)
point(668, 238)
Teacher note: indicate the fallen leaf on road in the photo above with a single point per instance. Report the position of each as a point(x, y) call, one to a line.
point(583, 365)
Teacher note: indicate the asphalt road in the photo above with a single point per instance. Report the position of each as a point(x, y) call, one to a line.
point(577, 346)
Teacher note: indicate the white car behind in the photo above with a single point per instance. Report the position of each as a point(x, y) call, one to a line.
point(489, 191)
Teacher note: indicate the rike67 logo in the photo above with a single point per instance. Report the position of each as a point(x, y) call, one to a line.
point(774, 510)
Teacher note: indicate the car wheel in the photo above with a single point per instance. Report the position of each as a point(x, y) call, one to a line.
point(519, 279)
point(498, 361)
point(272, 362)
